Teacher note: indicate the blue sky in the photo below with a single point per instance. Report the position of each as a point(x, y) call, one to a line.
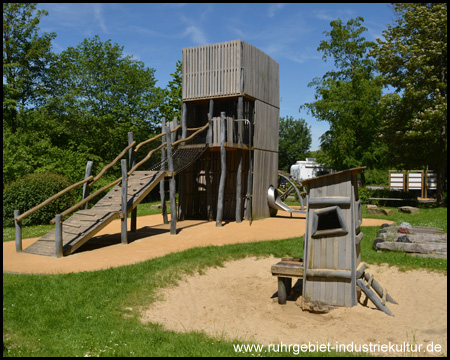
point(156, 34)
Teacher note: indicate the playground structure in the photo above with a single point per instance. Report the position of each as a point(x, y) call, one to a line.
point(331, 269)
point(227, 137)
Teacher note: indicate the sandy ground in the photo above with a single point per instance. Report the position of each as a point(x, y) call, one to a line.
point(153, 240)
point(239, 301)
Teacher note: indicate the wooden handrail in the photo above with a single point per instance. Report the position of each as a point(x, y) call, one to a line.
point(82, 202)
point(49, 200)
point(90, 197)
point(146, 158)
point(191, 136)
point(154, 138)
point(100, 174)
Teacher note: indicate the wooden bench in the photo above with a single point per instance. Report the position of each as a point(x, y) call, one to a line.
point(285, 270)
point(387, 199)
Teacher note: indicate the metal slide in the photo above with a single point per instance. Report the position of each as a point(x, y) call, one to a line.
point(275, 202)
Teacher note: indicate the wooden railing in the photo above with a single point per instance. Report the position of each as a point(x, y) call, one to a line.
point(20, 217)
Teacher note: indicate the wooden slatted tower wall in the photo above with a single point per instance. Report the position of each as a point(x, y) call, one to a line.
point(332, 240)
point(223, 73)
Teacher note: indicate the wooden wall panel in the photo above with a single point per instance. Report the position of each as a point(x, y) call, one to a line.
point(265, 173)
point(217, 69)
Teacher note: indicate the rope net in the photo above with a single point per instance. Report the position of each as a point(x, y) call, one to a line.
point(184, 154)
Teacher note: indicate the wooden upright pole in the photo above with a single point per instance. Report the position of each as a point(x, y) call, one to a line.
point(223, 171)
point(18, 225)
point(208, 173)
point(58, 236)
point(132, 163)
point(123, 233)
point(173, 202)
point(240, 115)
point(87, 173)
point(162, 183)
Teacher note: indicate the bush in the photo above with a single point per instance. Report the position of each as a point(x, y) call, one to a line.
point(376, 177)
point(365, 193)
point(31, 190)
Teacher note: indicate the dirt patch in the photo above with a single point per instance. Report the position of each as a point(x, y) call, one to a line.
point(153, 239)
point(239, 301)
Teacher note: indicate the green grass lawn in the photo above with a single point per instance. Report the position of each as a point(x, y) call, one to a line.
point(97, 313)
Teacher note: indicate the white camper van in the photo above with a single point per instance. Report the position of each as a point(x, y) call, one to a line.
point(308, 169)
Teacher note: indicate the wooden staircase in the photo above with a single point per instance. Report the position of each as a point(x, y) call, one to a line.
point(84, 224)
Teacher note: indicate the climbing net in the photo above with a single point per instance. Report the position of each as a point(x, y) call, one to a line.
point(184, 154)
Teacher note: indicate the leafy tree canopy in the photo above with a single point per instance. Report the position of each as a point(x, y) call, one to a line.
point(347, 98)
point(413, 59)
point(294, 141)
point(98, 95)
point(25, 58)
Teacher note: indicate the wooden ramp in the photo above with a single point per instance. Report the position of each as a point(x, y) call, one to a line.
point(84, 224)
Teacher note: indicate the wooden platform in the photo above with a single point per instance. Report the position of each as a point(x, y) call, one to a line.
point(84, 224)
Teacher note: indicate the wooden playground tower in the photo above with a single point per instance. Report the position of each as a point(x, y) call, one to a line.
point(228, 136)
point(235, 87)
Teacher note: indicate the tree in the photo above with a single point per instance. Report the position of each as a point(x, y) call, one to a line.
point(98, 95)
point(347, 98)
point(173, 95)
point(294, 141)
point(26, 54)
point(413, 60)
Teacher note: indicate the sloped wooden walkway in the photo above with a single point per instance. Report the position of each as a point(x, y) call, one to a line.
point(84, 224)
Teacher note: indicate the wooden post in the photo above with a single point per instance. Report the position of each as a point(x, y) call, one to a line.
point(240, 115)
point(173, 203)
point(250, 175)
point(184, 121)
point(123, 233)
point(58, 236)
point(208, 174)
point(162, 193)
point(223, 171)
point(181, 177)
point(87, 173)
point(211, 109)
point(18, 225)
point(132, 163)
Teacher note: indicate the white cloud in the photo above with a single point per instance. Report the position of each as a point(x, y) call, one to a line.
point(196, 35)
point(98, 14)
point(273, 8)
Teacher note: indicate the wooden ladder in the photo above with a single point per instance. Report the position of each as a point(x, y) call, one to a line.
point(379, 297)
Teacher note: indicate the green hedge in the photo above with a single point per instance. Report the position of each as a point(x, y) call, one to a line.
point(365, 193)
point(31, 190)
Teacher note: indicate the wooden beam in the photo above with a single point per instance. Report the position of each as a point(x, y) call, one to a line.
point(87, 173)
point(162, 193)
point(58, 236)
point(223, 171)
point(123, 215)
point(173, 203)
point(132, 162)
point(18, 226)
point(240, 115)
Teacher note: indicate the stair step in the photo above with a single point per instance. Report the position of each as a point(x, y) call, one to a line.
point(72, 224)
point(73, 232)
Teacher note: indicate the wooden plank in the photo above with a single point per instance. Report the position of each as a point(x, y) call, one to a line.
point(287, 269)
point(371, 295)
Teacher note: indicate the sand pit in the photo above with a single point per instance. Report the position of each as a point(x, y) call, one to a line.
point(238, 302)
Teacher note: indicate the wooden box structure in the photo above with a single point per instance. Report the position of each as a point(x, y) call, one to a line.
point(241, 81)
point(332, 253)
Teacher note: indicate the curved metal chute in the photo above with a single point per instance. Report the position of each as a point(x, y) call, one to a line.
point(275, 202)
